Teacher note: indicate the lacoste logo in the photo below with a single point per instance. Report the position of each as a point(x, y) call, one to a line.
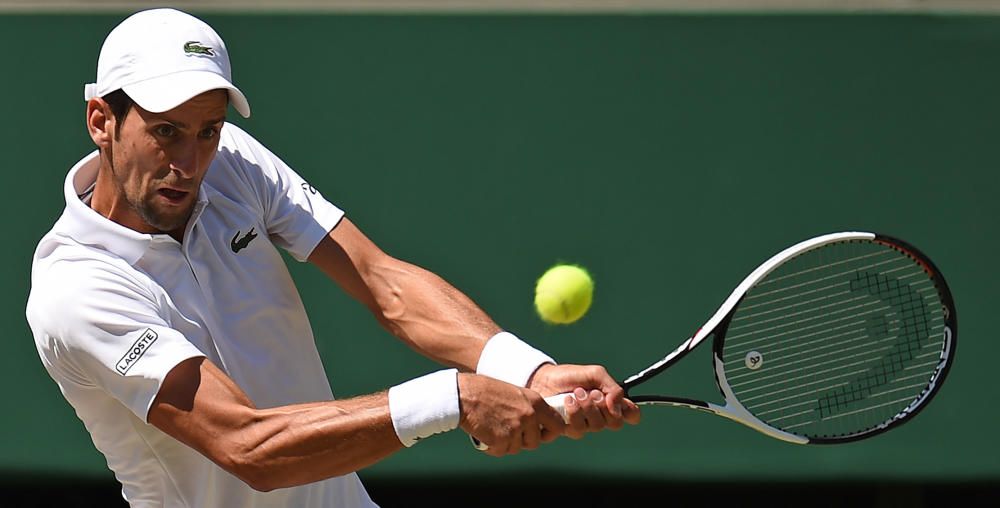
point(195, 48)
point(238, 245)
point(139, 348)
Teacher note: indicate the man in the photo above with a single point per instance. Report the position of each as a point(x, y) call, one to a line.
point(163, 310)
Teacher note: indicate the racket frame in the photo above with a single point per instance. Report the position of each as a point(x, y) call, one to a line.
point(719, 322)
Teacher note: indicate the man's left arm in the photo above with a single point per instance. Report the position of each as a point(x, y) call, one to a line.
point(440, 322)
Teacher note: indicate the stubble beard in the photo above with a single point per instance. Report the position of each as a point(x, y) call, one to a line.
point(160, 220)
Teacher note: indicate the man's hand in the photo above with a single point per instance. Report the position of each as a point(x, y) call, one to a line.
point(505, 417)
point(597, 402)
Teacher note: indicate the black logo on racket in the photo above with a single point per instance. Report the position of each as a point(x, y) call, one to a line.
point(910, 323)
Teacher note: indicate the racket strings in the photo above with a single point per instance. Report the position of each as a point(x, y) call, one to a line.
point(808, 361)
point(783, 408)
point(759, 295)
point(827, 315)
point(809, 366)
point(915, 325)
point(837, 342)
point(827, 349)
point(843, 288)
point(825, 318)
point(848, 335)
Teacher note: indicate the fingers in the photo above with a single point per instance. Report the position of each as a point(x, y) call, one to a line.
point(549, 435)
point(549, 421)
point(502, 418)
point(546, 425)
point(631, 413)
point(605, 394)
point(587, 412)
point(543, 425)
point(505, 418)
point(614, 397)
point(514, 444)
point(596, 417)
point(496, 450)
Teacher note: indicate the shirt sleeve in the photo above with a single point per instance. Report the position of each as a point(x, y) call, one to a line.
point(296, 214)
point(102, 328)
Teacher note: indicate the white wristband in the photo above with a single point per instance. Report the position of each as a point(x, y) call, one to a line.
point(424, 406)
point(509, 359)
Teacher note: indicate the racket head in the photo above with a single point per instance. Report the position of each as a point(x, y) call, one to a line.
point(836, 339)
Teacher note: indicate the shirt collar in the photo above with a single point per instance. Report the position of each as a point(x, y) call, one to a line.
point(86, 226)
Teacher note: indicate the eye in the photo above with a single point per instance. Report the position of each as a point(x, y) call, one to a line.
point(209, 133)
point(166, 130)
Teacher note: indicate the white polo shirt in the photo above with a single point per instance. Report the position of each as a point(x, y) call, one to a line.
point(113, 310)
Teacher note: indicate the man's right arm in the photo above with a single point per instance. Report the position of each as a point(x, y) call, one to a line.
point(202, 407)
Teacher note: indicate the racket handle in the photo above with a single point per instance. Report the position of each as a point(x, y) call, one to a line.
point(556, 401)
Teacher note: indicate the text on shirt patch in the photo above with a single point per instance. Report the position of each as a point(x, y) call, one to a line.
point(139, 348)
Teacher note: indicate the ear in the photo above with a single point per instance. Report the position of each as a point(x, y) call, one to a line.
point(100, 122)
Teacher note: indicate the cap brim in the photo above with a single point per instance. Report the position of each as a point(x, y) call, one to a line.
point(164, 93)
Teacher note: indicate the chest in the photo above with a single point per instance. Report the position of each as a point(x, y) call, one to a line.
point(226, 287)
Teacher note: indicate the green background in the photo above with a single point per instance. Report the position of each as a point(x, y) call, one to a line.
point(670, 154)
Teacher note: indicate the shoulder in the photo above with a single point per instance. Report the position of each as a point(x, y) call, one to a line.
point(238, 147)
point(241, 160)
point(244, 169)
point(232, 138)
point(74, 284)
point(59, 259)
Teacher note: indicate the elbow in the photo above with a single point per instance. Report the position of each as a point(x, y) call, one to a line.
point(260, 485)
point(250, 472)
point(259, 482)
point(248, 453)
point(242, 456)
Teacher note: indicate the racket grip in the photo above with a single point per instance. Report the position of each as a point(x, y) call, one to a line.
point(558, 402)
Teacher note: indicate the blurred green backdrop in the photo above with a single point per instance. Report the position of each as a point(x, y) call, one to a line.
point(670, 154)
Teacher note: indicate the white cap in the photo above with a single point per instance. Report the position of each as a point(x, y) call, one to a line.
point(162, 58)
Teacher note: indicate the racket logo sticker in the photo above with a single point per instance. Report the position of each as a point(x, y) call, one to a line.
point(754, 360)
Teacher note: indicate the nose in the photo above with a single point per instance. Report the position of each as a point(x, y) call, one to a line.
point(185, 158)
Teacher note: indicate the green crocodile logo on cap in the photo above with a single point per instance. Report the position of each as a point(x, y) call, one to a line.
point(195, 48)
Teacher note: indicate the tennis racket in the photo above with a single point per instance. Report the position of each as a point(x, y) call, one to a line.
point(834, 339)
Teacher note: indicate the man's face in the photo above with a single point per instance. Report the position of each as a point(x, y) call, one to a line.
point(160, 159)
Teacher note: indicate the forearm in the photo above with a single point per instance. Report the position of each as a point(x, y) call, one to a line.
point(202, 407)
point(429, 314)
point(415, 305)
point(299, 444)
point(423, 310)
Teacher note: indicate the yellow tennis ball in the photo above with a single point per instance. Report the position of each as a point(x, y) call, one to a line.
point(563, 294)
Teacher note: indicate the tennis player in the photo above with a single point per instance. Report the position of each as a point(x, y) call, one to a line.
point(162, 309)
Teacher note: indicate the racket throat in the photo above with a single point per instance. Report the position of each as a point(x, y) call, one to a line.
point(738, 414)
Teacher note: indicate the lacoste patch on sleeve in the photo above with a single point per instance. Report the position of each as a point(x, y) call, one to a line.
point(139, 348)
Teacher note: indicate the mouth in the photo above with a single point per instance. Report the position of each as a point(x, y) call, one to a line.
point(173, 195)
